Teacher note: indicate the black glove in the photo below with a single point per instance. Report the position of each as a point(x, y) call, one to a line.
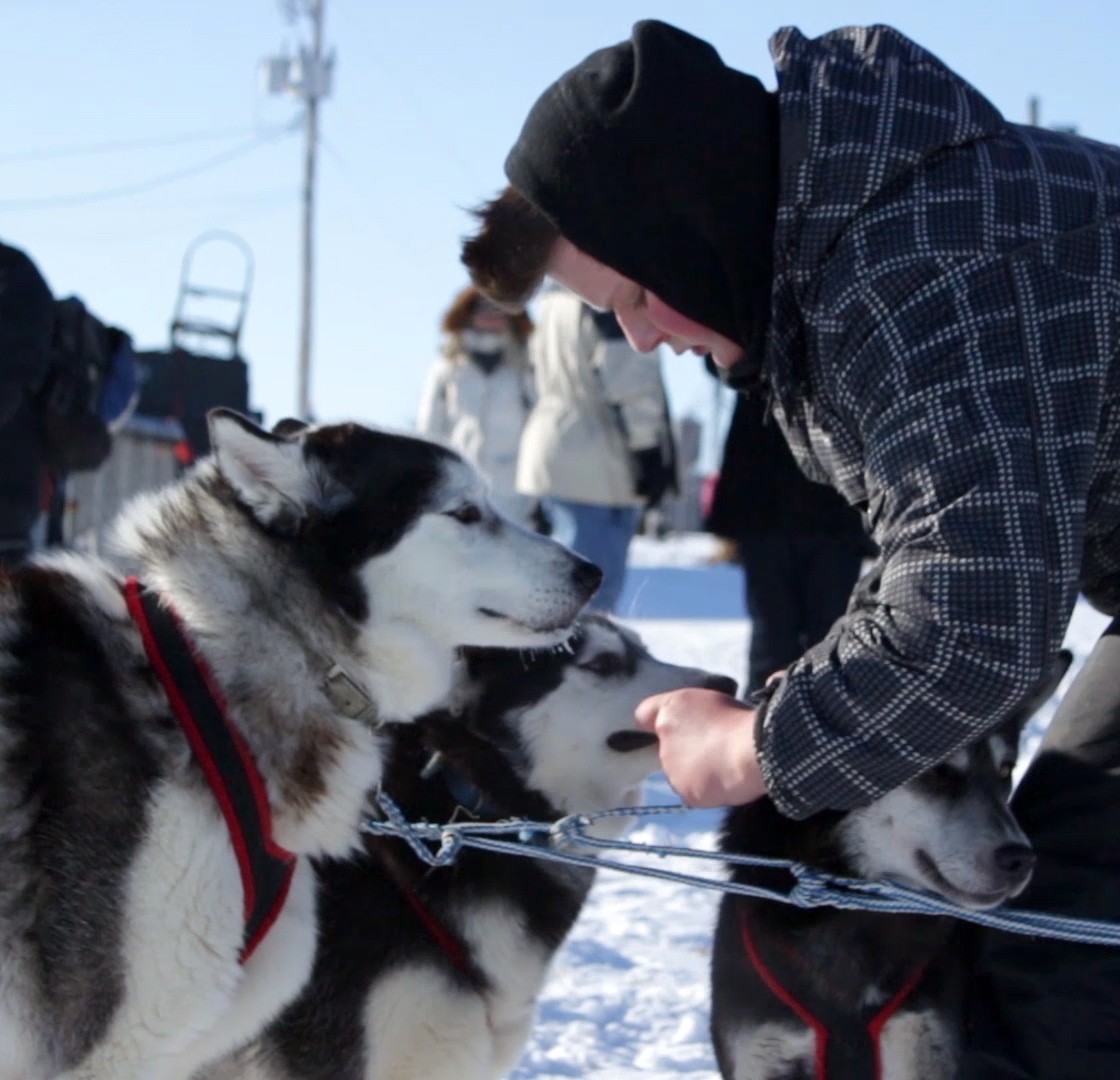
point(652, 477)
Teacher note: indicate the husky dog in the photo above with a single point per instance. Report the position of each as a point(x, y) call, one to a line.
point(433, 974)
point(855, 995)
point(321, 579)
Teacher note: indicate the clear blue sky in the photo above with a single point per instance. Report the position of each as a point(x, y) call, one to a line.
point(428, 97)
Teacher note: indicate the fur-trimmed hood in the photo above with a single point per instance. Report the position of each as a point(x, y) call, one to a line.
point(515, 354)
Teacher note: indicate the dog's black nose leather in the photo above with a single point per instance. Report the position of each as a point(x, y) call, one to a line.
point(624, 741)
point(587, 576)
point(723, 683)
point(1014, 860)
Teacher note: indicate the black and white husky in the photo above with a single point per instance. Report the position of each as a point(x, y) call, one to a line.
point(805, 994)
point(429, 974)
point(318, 581)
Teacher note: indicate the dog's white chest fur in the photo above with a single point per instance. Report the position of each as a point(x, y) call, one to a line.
point(767, 1051)
point(513, 960)
point(473, 1036)
point(918, 1046)
point(913, 1046)
point(188, 999)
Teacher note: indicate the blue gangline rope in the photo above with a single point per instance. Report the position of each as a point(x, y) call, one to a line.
point(553, 841)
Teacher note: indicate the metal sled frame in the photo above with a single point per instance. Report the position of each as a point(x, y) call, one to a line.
point(183, 325)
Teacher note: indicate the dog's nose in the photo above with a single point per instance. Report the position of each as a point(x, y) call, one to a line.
point(1015, 860)
point(586, 576)
point(723, 683)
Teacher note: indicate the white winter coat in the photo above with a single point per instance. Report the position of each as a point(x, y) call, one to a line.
point(597, 400)
point(481, 415)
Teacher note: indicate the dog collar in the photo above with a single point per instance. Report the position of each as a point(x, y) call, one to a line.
point(862, 1054)
point(467, 795)
point(348, 696)
point(197, 702)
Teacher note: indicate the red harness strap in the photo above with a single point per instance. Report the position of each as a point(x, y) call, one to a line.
point(452, 947)
point(820, 1030)
point(442, 936)
point(197, 702)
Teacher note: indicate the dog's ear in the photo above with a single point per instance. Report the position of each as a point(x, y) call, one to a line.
point(288, 427)
point(1045, 688)
point(268, 472)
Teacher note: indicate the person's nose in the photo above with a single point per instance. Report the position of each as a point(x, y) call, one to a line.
point(639, 331)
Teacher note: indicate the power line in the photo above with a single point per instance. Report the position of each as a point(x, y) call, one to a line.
point(83, 149)
point(61, 201)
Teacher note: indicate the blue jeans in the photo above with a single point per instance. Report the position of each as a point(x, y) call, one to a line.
point(601, 534)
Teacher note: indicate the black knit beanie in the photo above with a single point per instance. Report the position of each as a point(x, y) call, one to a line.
point(655, 158)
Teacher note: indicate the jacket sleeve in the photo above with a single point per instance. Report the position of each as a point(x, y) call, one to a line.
point(432, 419)
point(519, 358)
point(976, 504)
point(529, 387)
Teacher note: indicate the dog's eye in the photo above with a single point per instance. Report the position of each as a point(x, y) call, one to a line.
point(467, 514)
point(942, 778)
point(604, 664)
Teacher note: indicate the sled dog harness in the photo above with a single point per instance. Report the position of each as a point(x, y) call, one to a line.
point(862, 1054)
point(194, 696)
point(448, 943)
point(474, 802)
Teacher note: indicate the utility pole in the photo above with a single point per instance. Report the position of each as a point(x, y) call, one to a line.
point(1034, 117)
point(311, 97)
point(308, 77)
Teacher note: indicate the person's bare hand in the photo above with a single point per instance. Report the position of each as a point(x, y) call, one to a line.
point(706, 744)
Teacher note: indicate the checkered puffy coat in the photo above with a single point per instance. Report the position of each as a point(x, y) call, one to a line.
point(945, 350)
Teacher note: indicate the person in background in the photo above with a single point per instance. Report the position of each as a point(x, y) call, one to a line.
point(91, 391)
point(597, 448)
point(800, 544)
point(26, 323)
point(68, 383)
point(479, 393)
point(929, 295)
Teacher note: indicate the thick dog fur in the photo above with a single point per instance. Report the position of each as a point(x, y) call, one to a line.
point(538, 737)
point(949, 832)
point(121, 907)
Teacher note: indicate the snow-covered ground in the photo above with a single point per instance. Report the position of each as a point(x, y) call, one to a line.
point(628, 994)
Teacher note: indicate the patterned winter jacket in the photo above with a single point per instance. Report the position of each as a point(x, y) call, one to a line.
point(944, 350)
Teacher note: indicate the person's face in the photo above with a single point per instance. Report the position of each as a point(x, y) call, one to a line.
point(488, 318)
point(646, 320)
